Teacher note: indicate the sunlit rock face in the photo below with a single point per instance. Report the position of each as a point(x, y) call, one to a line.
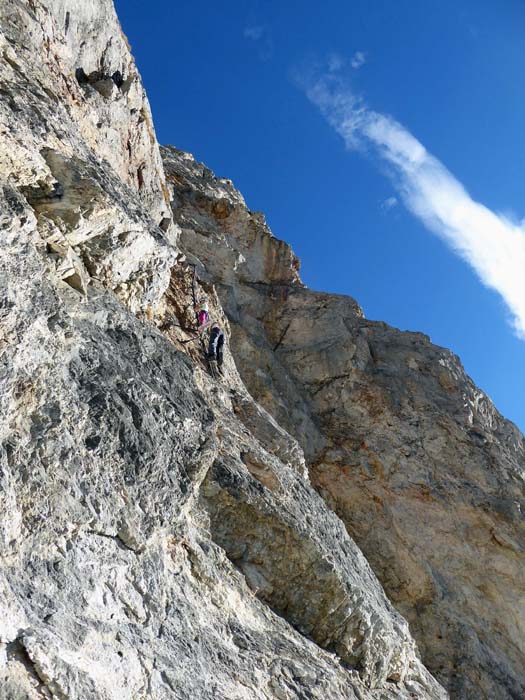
point(78, 144)
point(159, 534)
point(416, 461)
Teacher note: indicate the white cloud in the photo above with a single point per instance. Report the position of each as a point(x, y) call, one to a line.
point(389, 203)
point(358, 59)
point(492, 244)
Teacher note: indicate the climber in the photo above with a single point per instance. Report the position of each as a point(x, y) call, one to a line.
point(216, 346)
point(203, 317)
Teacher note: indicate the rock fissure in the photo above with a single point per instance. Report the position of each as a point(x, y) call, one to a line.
point(16, 652)
point(116, 538)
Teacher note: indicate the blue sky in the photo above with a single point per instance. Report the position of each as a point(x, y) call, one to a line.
point(380, 138)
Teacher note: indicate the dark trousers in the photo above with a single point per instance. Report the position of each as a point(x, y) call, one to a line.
point(215, 348)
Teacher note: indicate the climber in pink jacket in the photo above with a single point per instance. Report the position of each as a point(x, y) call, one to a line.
point(203, 317)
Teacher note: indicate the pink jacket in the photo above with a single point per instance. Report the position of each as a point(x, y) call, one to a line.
point(203, 317)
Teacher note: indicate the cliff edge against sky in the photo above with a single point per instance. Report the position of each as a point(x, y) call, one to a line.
point(339, 516)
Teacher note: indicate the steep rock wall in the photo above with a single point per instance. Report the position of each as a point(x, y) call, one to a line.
point(159, 537)
point(417, 462)
point(76, 132)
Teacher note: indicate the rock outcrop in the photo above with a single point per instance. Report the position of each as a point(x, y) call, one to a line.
point(424, 472)
point(169, 533)
point(159, 536)
point(77, 143)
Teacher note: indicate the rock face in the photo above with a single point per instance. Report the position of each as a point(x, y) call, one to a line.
point(424, 472)
point(169, 533)
point(77, 142)
point(159, 535)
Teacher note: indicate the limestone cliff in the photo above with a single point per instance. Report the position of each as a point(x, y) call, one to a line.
point(159, 536)
point(169, 534)
point(424, 472)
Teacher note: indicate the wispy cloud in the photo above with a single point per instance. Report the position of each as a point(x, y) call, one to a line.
point(491, 243)
point(358, 59)
point(389, 203)
point(261, 36)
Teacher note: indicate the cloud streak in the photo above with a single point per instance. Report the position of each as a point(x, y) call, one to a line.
point(389, 203)
point(358, 59)
point(492, 245)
